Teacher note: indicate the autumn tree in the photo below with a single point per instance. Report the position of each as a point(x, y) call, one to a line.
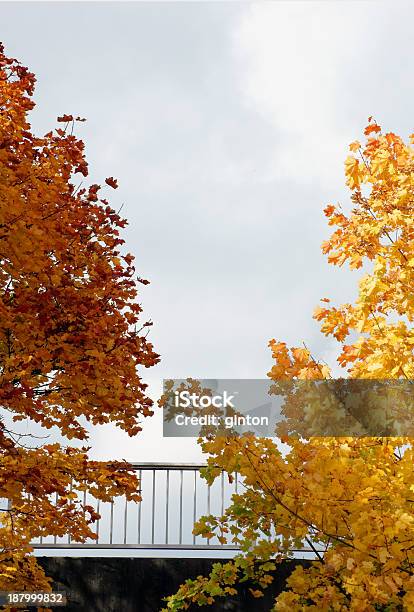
point(70, 339)
point(349, 498)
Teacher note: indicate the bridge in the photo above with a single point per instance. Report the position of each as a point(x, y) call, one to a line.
point(174, 497)
point(150, 544)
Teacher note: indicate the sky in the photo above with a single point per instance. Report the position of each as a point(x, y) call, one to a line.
point(226, 125)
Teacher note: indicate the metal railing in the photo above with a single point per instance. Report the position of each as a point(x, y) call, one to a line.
point(174, 497)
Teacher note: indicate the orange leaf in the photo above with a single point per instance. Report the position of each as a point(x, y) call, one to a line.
point(112, 182)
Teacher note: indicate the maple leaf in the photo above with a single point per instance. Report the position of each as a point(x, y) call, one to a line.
point(352, 172)
point(355, 146)
point(65, 118)
point(112, 182)
point(372, 127)
point(329, 210)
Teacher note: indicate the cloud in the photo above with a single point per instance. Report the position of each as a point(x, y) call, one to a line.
point(311, 70)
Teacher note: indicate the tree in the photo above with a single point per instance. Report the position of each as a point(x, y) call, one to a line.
point(350, 498)
point(70, 345)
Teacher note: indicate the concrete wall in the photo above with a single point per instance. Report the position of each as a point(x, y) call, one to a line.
point(139, 584)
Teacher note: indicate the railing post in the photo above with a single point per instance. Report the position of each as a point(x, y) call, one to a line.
point(195, 503)
point(153, 506)
point(125, 519)
point(167, 499)
point(139, 510)
point(112, 522)
point(180, 539)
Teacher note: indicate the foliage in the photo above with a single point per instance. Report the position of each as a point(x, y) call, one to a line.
point(350, 499)
point(69, 342)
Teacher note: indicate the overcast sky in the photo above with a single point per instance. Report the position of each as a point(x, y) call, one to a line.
point(227, 125)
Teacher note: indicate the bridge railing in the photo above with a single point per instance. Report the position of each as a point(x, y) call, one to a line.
point(174, 496)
